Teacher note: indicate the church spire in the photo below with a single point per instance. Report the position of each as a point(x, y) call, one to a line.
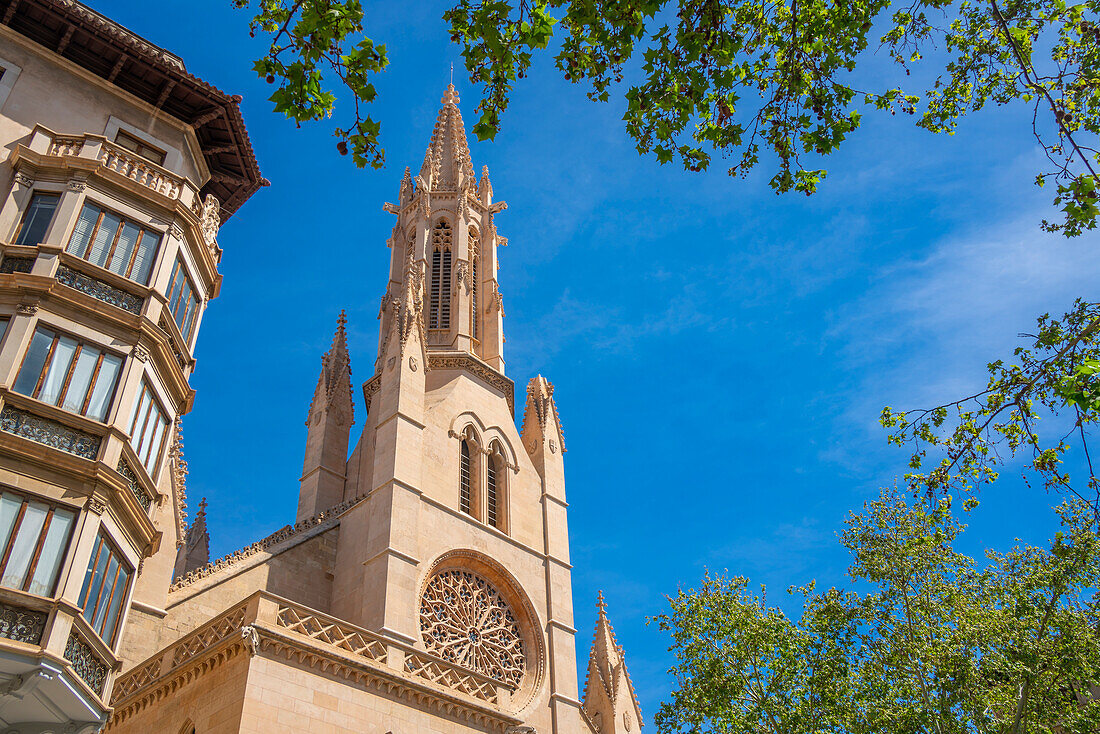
point(195, 551)
point(609, 699)
point(447, 165)
point(445, 236)
point(331, 415)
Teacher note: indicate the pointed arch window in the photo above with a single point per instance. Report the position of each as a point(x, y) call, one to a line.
point(440, 301)
point(466, 476)
point(494, 489)
point(475, 260)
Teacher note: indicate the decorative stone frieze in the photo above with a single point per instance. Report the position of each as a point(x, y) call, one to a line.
point(469, 363)
point(23, 179)
point(27, 309)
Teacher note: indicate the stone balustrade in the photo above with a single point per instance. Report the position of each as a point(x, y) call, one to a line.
point(266, 621)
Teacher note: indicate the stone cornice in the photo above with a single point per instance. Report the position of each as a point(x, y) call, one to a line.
point(470, 364)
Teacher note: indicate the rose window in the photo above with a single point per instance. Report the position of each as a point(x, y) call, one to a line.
point(464, 620)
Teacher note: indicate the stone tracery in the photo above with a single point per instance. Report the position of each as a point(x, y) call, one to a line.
point(466, 621)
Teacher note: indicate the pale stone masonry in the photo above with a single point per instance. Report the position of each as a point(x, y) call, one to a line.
point(425, 585)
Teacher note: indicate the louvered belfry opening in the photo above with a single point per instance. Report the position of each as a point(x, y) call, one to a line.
point(492, 496)
point(465, 480)
point(475, 257)
point(440, 302)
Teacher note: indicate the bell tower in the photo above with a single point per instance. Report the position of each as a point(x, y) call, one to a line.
point(456, 538)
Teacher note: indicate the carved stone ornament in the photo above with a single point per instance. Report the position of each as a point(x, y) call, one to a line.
point(27, 309)
point(627, 721)
point(463, 276)
point(251, 639)
point(176, 231)
point(210, 219)
point(391, 362)
point(77, 185)
point(465, 620)
point(23, 179)
point(412, 364)
point(140, 353)
point(553, 446)
point(96, 506)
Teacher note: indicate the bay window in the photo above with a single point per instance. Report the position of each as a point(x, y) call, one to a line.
point(35, 537)
point(110, 241)
point(182, 301)
point(105, 585)
point(148, 426)
point(64, 371)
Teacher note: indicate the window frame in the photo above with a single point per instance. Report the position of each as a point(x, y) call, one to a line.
point(23, 220)
point(43, 534)
point(143, 230)
point(47, 365)
point(104, 540)
point(140, 143)
point(442, 271)
point(496, 488)
point(181, 267)
point(136, 442)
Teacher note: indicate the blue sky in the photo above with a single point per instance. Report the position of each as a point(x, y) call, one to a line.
point(720, 353)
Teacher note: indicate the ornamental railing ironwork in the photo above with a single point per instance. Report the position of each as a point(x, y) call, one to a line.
point(49, 433)
point(16, 265)
point(91, 669)
point(136, 488)
point(22, 624)
point(98, 289)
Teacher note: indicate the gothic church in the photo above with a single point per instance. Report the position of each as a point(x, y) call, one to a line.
point(424, 585)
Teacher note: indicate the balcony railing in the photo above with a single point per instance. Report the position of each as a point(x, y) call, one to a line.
point(60, 633)
point(96, 288)
point(22, 624)
point(48, 432)
point(91, 668)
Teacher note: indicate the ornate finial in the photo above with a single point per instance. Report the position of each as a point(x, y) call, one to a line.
point(202, 508)
point(341, 320)
point(601, 606)
point(450, 96)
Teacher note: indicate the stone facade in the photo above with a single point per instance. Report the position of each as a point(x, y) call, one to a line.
point(114, 181)
point(425, 583)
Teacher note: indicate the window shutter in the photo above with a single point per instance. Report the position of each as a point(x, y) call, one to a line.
point(143, 256)
point(104, 237)
point(465, 480)
point(124, 250)
point(82, 233)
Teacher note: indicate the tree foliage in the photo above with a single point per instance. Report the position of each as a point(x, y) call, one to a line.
point(938, 645)
point(786, 80)
point(1054, 379)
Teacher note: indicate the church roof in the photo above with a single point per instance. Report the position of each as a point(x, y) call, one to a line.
point(447, 163)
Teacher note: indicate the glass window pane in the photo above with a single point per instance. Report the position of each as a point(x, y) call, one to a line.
point(105, 594)
point(53, 550)
point(33, 362)
point(3, 328)
point(147, 436)
point(127, 238)
point(9, 510)
point(59, 367)
point(154, 449)
point(101, 246)
point(139, 410)
point(97, 580)
point(143, 260)
point(26, 540)
point(81, 379)
point(38, 219)
point(96, 550)
point(108, 630)
point(78, 243)
point(104, 387)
